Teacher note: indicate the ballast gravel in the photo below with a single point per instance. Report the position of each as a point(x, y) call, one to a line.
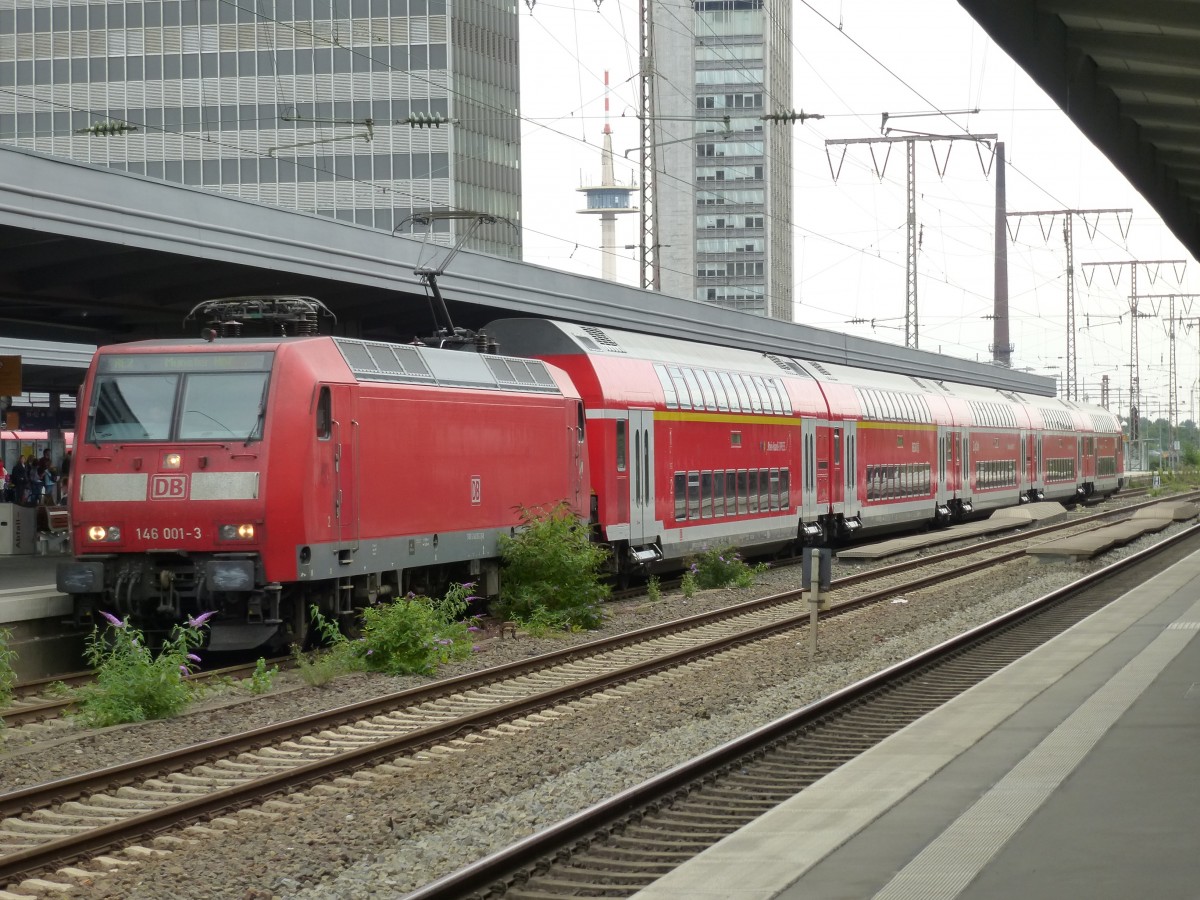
point(402, 825)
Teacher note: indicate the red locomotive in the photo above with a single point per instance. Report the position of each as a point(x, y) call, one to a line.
point(259, 477)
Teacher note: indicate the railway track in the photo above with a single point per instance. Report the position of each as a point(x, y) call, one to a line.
point(43, 699)
point(47, 825)
point(46, 698)
point(621, 845)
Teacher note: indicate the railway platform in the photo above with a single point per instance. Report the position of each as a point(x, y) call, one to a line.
point(33, 612)
point(1073, 772)
point(1008, 519)
point(1078, 547)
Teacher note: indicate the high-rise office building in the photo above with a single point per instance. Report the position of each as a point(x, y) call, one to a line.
point(326, 106)
point(723, 185)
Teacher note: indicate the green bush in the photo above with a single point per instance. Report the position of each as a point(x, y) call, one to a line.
point(551, 574)
point(262, 678)
point(723, 566)
point(8, 676)
point(319, 667)
point(134, 684)
point(415, 634)
point(653, 589)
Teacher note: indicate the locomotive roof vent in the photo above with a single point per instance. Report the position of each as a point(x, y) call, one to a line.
point(820, 368)
point(788, 365)
point(277, 316)
point(601, 338)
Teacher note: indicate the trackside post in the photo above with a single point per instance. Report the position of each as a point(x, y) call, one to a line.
point(824, 560)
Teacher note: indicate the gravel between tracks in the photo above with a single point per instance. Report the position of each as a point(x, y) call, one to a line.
point(401, 831)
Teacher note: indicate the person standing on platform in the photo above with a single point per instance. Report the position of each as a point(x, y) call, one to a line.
point(20, 482)
point(64, 478)
point(4, 488)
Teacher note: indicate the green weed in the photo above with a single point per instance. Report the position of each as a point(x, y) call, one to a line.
point(134, 684)
point(551, 574)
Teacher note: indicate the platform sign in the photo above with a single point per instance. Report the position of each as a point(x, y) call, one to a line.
point(10, 376)
point(824, 564)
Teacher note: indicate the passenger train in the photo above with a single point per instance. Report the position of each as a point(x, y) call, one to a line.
point(259, 476)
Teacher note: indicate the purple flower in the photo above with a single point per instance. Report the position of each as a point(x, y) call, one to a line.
point(475, 648)
point(193, 657)
point(197, 621)
point(468, 586)
point(369, 652)
point(473, 628)
point(113, 620)
point(183, 670)
point(445, 641)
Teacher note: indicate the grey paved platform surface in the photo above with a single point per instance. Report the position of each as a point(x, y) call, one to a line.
point(27, 589)
point(1074, 772)
point(1001, 520)
point(1093, 543)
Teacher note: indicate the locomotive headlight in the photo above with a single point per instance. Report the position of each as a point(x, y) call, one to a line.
point(171, 460)
point(244, 532)
point(101, 534)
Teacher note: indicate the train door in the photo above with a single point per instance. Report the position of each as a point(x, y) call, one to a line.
point(849, 465)
point(966, 464)
point(642, 530)
point(344, 453)
point(808, 463)
point(953, 480)
point(824, 479)
point(941, 489)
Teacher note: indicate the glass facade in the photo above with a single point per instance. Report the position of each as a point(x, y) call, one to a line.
point(737, 59)
point(325, 106)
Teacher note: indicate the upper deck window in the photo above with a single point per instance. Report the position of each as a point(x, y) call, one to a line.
point(179, 396)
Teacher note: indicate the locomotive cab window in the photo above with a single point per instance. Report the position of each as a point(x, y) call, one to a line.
point(324, 414)
point(192, 396)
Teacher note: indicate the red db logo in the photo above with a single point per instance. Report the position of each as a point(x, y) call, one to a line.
point(168, 487)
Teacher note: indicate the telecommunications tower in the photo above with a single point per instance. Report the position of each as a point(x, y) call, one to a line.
point(608, 200)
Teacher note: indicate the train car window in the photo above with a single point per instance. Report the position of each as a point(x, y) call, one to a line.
point(731, 492)
point(680, 496)
point(759, 395)
point(324, 414)
point(764, 490)
point(753, 403)
point(837, 446)
point(719, 390)
point(670, 398)
point(743, 391)
point(706, 495)
point(693, 490)
point(681, 390)
point(752, 489)
point(778, 396)
point(785, 489)
point(622, 446)
point(580, 422)
point(743, 492)
point(735, 439)
point(774, 489)
point(718, 494)
point(693, 388)
point(735, 405)
point(909, 412)
point(706, 390)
